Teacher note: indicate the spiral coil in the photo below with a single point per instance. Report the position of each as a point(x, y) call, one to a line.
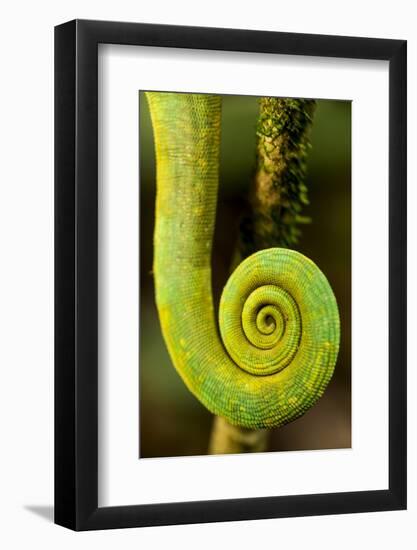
point(278, 318)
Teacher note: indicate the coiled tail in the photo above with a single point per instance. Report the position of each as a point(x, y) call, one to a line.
point(276, 346)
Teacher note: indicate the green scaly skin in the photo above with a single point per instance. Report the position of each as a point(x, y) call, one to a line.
point(278, 318)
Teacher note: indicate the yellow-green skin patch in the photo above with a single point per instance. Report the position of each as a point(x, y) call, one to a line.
point(278, 319)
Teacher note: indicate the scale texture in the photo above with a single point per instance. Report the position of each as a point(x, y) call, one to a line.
point(273, 352)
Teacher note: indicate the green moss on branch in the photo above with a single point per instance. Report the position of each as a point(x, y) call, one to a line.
point(279, 191)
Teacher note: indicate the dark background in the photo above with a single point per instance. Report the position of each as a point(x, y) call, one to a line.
point(172, 421)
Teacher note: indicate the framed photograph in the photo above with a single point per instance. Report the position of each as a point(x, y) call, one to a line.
point(230, 284)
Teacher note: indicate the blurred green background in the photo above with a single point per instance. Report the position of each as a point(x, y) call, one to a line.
point(172, 420)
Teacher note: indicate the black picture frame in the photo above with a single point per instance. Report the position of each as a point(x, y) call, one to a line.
point(76, 272)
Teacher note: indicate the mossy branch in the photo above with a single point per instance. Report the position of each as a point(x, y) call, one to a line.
point(279, 192)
